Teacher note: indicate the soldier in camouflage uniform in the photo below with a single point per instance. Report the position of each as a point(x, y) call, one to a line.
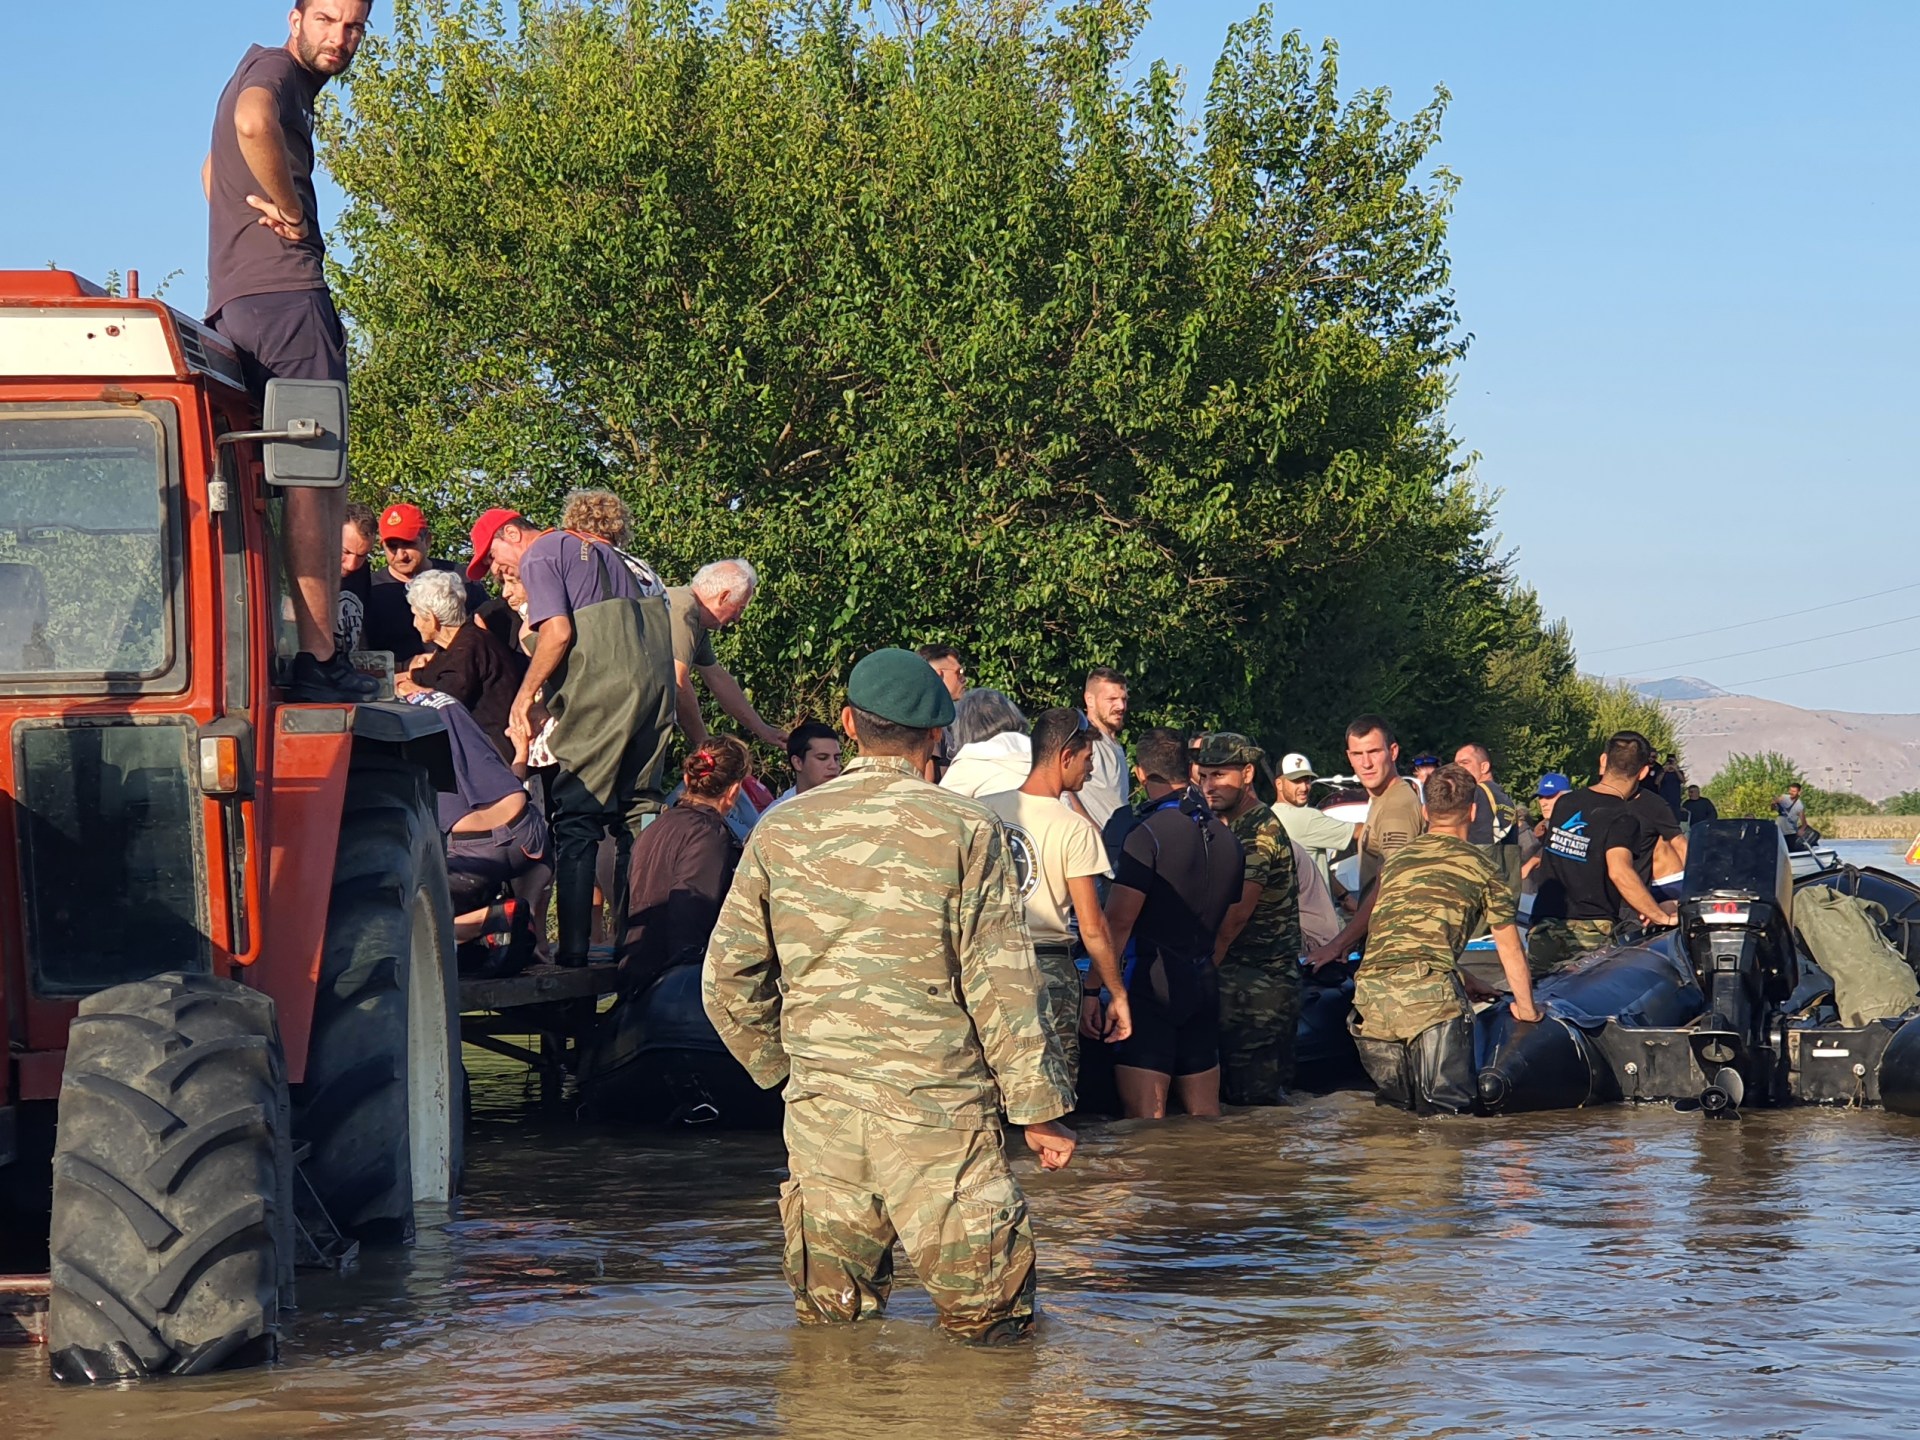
point(1411, 1019)
point(1258, 948)
point(872, 953)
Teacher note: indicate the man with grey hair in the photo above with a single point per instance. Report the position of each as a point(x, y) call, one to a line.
point(715, 599)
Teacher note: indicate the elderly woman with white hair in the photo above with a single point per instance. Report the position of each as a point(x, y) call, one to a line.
point(462, 659)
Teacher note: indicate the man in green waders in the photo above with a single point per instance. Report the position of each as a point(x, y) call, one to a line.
point(603, 666)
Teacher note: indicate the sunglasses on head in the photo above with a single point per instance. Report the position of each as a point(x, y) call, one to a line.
point(1085, 724)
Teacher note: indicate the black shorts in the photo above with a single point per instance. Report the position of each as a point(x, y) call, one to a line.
point(285, 335)
point(1170, 1046)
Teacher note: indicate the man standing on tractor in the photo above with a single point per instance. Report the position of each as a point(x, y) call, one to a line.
point(267, 287)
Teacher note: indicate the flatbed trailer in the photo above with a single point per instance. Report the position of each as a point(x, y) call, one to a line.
point(554, 1005)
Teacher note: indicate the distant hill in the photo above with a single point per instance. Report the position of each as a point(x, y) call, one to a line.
point(1677, 687)
point(1871, 755)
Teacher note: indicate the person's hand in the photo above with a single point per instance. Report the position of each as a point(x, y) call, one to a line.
point(520, 732)
point(290, 228)
point(1527, 1014)
point(1668, 913)
point(1052, 1142)
point(1322, 956)
point(1119, 1022)
point(404, 684)
point(1092, 1017)
point(1476, 988)
point(521, 713)
point(776, 738)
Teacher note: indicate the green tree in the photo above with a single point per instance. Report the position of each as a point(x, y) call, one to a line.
point(1820, 801)
point(1747, 786)
point(1907, 802)
point(955, 333)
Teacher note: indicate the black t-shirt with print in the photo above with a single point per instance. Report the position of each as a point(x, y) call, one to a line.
point(1586, 824)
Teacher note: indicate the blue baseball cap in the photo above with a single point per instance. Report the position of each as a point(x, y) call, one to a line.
point(1553, 783)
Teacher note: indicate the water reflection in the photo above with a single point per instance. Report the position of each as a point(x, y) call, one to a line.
point(1332, 1270)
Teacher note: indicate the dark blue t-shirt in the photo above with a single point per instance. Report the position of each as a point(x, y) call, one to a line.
point(482, 776)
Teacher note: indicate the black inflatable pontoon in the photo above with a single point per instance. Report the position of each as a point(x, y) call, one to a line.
point(1721, 1011)
point(656, 1059)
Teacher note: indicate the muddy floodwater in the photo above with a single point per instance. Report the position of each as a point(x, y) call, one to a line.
point(1326, 1270)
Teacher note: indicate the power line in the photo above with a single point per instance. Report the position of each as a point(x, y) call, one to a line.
point(1748, 624)
point(1789, 644)
point(1838, 665)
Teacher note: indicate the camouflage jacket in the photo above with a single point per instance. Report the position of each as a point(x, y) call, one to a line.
point(1272, 933)
point(1434, 891)
point(873, 949)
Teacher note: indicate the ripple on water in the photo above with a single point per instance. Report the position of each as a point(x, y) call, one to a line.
point(1328, 1270)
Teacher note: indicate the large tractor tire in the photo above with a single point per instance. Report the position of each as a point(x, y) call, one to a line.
point(381, 1101)
point(172, 1178)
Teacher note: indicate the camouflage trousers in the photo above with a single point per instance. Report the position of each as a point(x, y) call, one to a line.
point(860, 1180)
point(1062, 979)
point(1259, 1014)
point(1554, 944)
point(1396, 1003)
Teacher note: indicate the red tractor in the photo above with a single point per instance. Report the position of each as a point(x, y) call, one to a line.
point(226, 952)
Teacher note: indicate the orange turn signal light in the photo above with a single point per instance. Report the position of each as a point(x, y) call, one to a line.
point(219, 764)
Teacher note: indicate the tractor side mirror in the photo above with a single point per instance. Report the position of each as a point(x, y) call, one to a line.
point(303, 439)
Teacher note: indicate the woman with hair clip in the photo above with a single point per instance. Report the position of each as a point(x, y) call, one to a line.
point(681, 867)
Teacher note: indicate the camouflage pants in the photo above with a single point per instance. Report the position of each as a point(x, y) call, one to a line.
point(1259, 1013)
point(860, 1180)
point(1062, 978)
point(1398, 1003)
point(1554, 944)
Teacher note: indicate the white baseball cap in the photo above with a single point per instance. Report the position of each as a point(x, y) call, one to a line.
point(1296, 767)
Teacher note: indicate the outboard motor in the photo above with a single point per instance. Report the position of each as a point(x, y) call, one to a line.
point(1736, 923)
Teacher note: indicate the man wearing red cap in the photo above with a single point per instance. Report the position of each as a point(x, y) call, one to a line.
point(405, 536)
point(603, 664)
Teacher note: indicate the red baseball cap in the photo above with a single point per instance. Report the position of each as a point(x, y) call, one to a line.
point(484, 529)
point(402, 522)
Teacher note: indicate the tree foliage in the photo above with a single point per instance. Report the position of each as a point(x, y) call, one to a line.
point(1748, 785)
point(959, 337)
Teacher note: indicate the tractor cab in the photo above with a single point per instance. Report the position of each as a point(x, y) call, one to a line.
point(167, 818)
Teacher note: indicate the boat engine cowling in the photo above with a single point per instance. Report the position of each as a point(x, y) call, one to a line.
point(1736, 924)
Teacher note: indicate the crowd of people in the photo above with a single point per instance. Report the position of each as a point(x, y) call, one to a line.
point(897, 940)
point(940, 934)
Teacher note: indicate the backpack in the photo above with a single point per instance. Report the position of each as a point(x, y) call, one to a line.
point(1871, 980)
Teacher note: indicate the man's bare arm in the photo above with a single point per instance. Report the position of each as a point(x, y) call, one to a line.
point(1237, 916)
point(734, 701)
point(1633, 890)
point(1103, 960)
point(1354, 932)
point(1513, 960)
point(554, 640)
point(263, 145)
point(686, 705)
point(1124, 904)
point(206, 176)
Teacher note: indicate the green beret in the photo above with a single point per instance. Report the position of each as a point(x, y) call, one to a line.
point(898, 685)
point(1224, 747)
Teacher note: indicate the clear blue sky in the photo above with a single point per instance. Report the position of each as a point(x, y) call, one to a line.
point(1685, 248)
